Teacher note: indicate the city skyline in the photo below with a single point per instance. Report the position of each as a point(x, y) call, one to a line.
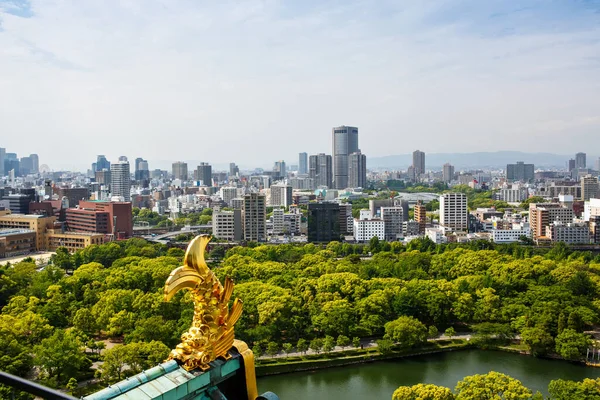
point(480, 76)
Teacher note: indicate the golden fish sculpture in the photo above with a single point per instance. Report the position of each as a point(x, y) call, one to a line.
point(211, 334)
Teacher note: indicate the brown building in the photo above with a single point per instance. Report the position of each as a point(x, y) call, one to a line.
point(73, 195)
point(73, 241)
point(48, 208)
point(16, 242)
point(421, 216)
point(541, 215)
point(120, 218)
point(88, 220)
point(36, 223)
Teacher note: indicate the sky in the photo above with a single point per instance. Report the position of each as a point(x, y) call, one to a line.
point(254, 81)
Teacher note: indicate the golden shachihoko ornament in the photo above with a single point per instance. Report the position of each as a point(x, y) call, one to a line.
point(211, 334)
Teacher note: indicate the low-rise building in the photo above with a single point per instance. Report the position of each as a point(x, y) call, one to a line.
point(436, 235)
point(227, 225)
point(73, 241)
point(16, 242)
point(366, 228)
point(569, 233)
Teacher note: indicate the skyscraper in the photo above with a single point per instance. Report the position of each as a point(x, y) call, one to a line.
point(26, 166)
point(254, 215)
point(454, 213)
point(2, 157)
point(580, 160)
point(520, 172)
point(448, 172)
point(234, 170)
point(281, 195)
point(102, 163)
point(303, 163)
point(320, 170)
point(345, 142)
point(357, 170)
point(589, 187)
point(142, 172)
point(204, 174)
point(120, 175)
point(279, 169)
point(418, 163)
point(35, 163)
point(180, 170)
point(571, 165)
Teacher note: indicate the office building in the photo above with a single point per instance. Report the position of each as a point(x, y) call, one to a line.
point(589, 187)
point(72, 241)
point(366, 228)
point(2, 157)
point(448, 173)
point(411, 228)
point(345, 142)
point(227, 225)
point(454, 212)
point(597, 164)
point(18, 203)
point(36, 223)
point(234, 170)
point(102, 163)
point(279, 170)
point(71, 196)
point(16, 242)
point(179, 170)
point(35, 163)
point(204, 174)
point(571, 165)
point(541, 215)
point(393, 217)
point(520, 172)
point(120, 218)
point(569, 233)
point(120, 176)
point(254, 215)
point(515, 194)
point(102, 177)
point(420, 211)
point(142, 172)
point(580, 161)
point(281, 195)
point(418, 163)
point(346, 220)
point(323, 222)
point(26, 166)
point(321, 170)
point(357, 170)
point(303, 163)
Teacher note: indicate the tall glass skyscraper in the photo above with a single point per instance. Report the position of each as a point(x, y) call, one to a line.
point(345, 142)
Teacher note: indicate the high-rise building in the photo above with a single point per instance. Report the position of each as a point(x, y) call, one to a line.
point(180, 170)
point(35, 163)
point(541, 215)
point(589, 187)
point(103, 177)
point(571, 166)
point(345, 142)
point(228, 194)
point(421, 216)
point(279, 169)
point(204, 174)
point(254, 215)
point(393, 217)
point(142, 172)
point(102, 163)
point(580, 160)
point(597, 166)
point(120, 176)
point(520, 172)
point(26, 166)
point(2, 156)
point(234, 170)
point(281, 195)
point(448, 172)
point(323, 222)
point(454, 214)
point(303, 163)
point(11, 163)
point(346, 220)
point(357, 170)
point(418, 163)
point(320, 170)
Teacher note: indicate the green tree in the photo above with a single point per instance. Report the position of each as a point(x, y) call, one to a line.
point(432, 332)
point(343, 341)
point(574, 322)
point(85, 321)
point(316, 345)
point(562, 322)
point(328, 344)
point(538, 340)
point(61, 356)
point(272, 349)
point(356, 342)
point(384, 346)
point(423, 392)
point(257, 349)
point(450, 332)
point(72, 385)
point(571, 344)
point(302, 346)
point(287, 348)
point(569, 390)
point(406, 331)
point(491, 386)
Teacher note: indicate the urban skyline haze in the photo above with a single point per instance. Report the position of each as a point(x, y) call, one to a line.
point(163, 80)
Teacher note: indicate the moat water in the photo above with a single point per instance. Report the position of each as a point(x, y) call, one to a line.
point(378, 380)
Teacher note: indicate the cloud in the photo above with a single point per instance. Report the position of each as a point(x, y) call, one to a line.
point(259, 80)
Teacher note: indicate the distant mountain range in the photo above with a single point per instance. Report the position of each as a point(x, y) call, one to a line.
point(497, 159)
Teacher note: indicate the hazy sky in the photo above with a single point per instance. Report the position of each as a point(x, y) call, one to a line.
point(255, 81)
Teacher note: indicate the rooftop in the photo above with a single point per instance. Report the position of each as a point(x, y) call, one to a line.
point(10, 232)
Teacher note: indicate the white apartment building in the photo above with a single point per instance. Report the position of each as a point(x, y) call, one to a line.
point(228, 194)
point(516, 194)
point(278, 221)
point(510, 235)
point(591, 208)
point(436, 235)
point(281, 195)
point(570, 233)
point(227, 225)
point(454, 212)
point(366, 228)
